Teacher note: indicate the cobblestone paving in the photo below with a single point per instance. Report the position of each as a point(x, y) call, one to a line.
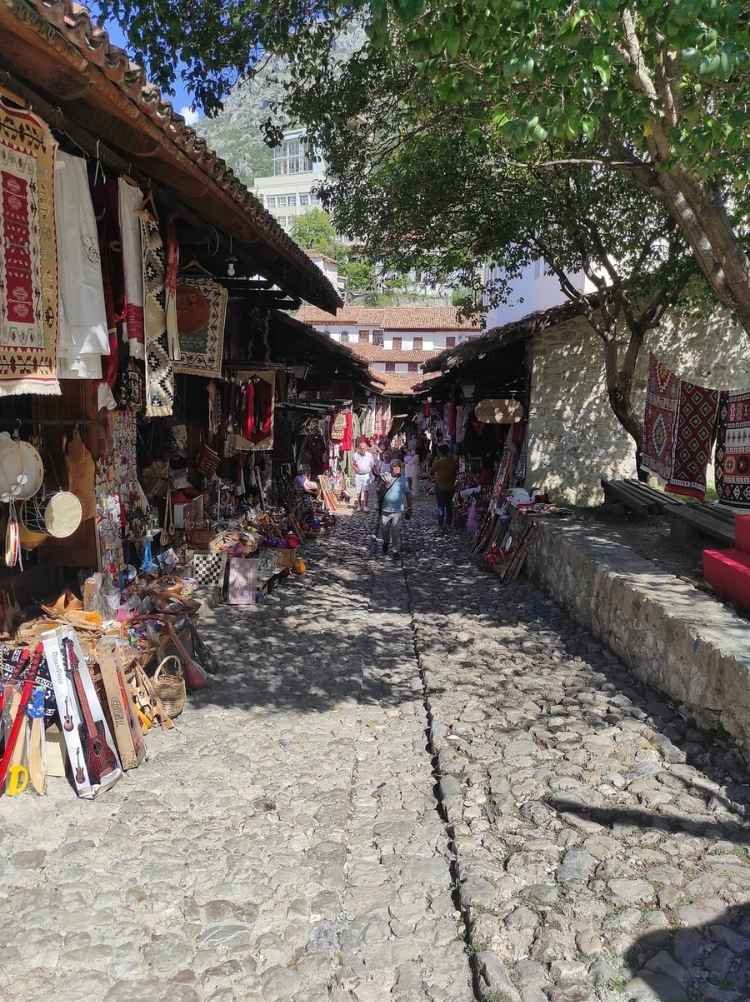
point(286, 842)
point(282, 844)
point(601, 841)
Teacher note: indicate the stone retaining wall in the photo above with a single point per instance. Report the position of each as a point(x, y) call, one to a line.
point(674, 637)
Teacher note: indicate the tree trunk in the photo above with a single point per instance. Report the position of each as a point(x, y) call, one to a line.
point(619, 391)
point(708, 231)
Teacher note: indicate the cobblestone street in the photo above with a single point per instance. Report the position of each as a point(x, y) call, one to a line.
point(408, 783)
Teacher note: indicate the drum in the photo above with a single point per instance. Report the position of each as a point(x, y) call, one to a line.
point(57, 514)
point(21, 468)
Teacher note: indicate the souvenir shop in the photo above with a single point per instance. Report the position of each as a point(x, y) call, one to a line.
point(145, 366)
point(478, 407)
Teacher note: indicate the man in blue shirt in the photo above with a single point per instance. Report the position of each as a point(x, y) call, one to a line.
point(395, 504)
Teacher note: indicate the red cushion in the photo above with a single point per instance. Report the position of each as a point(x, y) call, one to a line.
point(742, 532)
point(728, 573)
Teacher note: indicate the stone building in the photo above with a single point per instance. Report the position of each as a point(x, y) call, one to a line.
point(574, 438)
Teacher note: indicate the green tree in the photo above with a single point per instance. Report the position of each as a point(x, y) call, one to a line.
point(313, 230)
point(658, 91)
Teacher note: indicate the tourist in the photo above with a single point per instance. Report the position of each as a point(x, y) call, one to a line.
point(302, 482)
point(362, 463)
point(411, 469)
point(395, 504)
point(444, 471)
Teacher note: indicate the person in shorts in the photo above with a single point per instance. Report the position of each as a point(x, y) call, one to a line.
point(362, 463)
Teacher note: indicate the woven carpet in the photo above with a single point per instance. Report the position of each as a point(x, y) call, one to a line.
point(159, 366)
point(660, 420)
point(29, 309)
point(201, 315)
point(697, 411)
point(733, 449)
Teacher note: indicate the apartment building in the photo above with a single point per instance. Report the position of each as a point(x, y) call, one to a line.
point(396, 341)
point(288, 192)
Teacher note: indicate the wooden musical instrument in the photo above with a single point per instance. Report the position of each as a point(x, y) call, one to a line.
point(67, 719)
point(20, 715)
point(8, 691)
point(80, 777)
point(99, 757)
point(37, 743)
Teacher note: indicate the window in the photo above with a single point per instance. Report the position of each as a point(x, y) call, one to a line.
point(413, 367)
point(271, 201)
point(292, 157)
point(418, 343)
point(281, 201)
point(291, 200)
point(450, 341)
point(345, 337)
point(390, 366)
point(396, 344)
point(364, 337)
point(304, 199)
point(377, 338)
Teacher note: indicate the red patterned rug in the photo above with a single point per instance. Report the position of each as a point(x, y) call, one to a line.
point(660, 421)
point(733, 449)
point(695, 432)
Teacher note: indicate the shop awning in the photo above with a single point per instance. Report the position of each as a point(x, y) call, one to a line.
point(56, 51)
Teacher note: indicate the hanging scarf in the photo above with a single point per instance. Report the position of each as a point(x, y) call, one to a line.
point(130, 204)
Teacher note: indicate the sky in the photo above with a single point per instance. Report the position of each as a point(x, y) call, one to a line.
point(182, 98)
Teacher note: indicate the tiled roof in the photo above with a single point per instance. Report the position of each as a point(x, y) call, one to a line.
point(400, 382)
point(375, 353)
point(416, 318)
point(72, 38)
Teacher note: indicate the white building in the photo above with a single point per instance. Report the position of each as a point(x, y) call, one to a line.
point(289, 191)
point(396, 341)
point(534, 289)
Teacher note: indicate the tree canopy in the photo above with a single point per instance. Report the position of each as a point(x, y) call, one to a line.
point(658, 91)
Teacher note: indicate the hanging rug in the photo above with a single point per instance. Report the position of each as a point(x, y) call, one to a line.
point(733, 449)
point(28, 255)
point(201, 315)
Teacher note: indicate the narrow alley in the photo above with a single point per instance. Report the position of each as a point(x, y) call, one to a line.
point(407, 783)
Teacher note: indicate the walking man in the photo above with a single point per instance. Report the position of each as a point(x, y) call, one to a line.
point(362, 462)
point(444, 471)
point(395, 505)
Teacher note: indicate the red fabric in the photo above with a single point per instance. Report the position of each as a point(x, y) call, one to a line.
point(450, 419)
point(425, 408)
point(697, 412)
point(660, 420)
point(107, 210)
point(348, 439)
point(263, 410)
point(728, 572)
point(18, 210)
point(248, 428)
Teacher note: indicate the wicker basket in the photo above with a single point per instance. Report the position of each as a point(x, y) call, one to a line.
point(169, 685)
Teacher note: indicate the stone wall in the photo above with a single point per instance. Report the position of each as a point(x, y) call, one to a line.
point(673, 637)
point(574, 438)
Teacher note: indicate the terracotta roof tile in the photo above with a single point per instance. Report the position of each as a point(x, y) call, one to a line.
point(374, 353)
point(400, 382)
point(393, 317)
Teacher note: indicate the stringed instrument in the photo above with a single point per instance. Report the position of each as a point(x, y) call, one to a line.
point(8, 691)
point(99, 757)
point(67, 720)
point(19, 718)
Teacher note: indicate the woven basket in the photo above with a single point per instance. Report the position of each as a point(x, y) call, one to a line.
point(169, 685)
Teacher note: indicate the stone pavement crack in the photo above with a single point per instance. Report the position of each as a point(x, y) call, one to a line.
point(440, 805)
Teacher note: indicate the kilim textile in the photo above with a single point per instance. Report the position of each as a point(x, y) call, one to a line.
point(28, 255)
point(159, 366)
point(694, 439)
point(660, 421)
point(170, 290)
point(733, 449)
point(130, 200)
point(201, 315)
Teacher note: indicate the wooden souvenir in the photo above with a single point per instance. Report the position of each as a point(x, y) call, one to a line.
point(127, 730)
point(499, 411)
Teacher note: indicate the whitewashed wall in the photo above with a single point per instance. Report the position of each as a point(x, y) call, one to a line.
point(574, 438)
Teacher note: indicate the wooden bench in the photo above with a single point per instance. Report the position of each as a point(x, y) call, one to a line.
point(638, 498)
point(687, 517)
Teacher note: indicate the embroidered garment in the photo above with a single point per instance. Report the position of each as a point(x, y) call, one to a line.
point(28, 255)
point(201, 315)
point(105, 199)
point(660, 420)
point(159, 367)
point(695, 431)
point(130, 204)
point(83, 335)
point(733, 449)
point(257, 421)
